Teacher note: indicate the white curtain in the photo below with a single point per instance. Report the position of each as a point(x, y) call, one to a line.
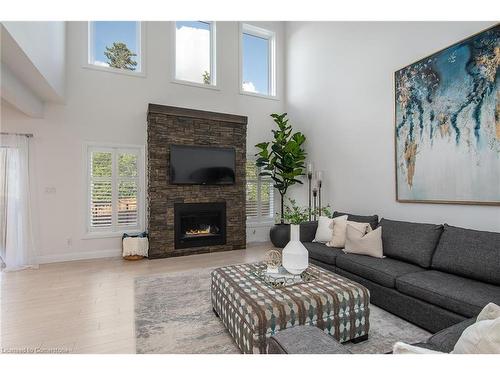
point(17, 248)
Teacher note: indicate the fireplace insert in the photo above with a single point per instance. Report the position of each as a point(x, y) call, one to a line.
point(199, 224)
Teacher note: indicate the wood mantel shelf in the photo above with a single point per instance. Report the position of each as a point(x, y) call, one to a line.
point(195, 113)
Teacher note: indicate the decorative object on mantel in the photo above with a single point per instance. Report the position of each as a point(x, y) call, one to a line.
point(309, 178)
point(273, 261)
point(447, 124)
point(135, 247)
point(282, 159)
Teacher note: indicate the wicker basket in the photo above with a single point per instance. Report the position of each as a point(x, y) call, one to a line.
point(135, 248)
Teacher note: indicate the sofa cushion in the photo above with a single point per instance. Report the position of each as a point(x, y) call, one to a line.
point(380, 270)
point(463, 296)
point(470, 253)
point(308, 231)
point(322, 253)
point(372, 219)
point(410, 242)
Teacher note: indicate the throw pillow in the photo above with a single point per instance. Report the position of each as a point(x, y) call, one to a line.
point(489, 312)
point(482, 337)
point(337, 224)
point(402, 348)
point(340, 229)
point(364, 242)
point(324, 230)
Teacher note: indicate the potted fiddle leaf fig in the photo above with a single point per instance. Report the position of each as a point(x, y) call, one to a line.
point(282, 159)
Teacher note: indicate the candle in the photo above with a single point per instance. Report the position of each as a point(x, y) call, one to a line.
point(319, 176)
point(310, 168)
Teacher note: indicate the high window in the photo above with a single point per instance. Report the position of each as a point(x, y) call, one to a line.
point(259, 195)
point(195, 52)
point(115, 45)
point(258, 61)
point(115, 179)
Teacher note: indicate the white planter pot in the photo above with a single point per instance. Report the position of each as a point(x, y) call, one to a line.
point(295, 257)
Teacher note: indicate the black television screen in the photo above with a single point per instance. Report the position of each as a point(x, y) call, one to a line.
point(202, 165)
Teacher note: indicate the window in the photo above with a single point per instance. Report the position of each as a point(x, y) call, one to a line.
point(258, 63)
point(114, 189)
point(260, 195)
point(115, 45)
point(195, 52)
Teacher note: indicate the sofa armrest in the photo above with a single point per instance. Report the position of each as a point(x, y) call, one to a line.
point(446, 339)
point(308, 231)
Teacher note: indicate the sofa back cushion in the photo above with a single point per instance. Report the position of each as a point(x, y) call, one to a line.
point(469, 253)
point(372, 219)
point(410, 242)
point(308, 231)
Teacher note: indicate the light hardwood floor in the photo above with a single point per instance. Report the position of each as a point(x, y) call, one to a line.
point(88, 306)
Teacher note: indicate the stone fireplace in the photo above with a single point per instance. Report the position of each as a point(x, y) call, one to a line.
point(193, 219)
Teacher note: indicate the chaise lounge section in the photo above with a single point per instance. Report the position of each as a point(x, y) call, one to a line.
point(434, 276)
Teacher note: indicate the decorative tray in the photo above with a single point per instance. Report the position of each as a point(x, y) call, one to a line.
point(283, 278)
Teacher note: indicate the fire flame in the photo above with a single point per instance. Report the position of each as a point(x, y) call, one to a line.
point(199, 231)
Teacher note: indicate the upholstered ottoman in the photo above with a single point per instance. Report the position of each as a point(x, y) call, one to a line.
point(304, 340)
point(252, 310)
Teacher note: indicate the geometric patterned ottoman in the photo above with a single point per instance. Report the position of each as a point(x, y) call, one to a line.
point(252, 310)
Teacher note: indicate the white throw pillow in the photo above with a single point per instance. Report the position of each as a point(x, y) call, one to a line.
point(339, 230)
point(482, 337)
point(324, 230)
point(402, 348)
point(363, 243)
point(489, 312)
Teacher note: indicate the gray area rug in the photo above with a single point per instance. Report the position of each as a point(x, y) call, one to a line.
point(173, 314)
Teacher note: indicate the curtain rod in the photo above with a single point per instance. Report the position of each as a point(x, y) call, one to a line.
point(29, 135)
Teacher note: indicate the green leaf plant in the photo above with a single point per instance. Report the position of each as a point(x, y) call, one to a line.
point(282, 159)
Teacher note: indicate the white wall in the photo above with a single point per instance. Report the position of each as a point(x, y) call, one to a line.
point(340, 93)
point(44, 45)
point(109, 107)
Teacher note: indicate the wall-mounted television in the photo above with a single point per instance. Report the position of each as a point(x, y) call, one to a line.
point(200, 165)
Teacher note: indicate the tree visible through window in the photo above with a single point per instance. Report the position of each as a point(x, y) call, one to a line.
point(115, 44)
point(195, 52)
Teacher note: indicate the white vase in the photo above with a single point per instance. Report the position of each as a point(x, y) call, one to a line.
point(295, 257)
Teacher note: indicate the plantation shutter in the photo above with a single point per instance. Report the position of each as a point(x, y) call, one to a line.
point(260, 194)
point(252, 190)
point(114, 189)
point(128, 181)
point(101, 199)
point(266, 198)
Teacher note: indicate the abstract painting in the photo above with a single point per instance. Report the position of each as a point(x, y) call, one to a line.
point(447, 124)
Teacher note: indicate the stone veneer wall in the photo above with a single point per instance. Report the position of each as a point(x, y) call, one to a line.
point(173, 125)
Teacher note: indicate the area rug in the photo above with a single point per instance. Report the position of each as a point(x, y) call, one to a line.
point(173, 314)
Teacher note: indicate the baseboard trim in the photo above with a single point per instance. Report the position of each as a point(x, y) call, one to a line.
point(67, 257)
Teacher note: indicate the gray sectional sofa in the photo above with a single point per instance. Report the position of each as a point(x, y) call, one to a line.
point(434, 276)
